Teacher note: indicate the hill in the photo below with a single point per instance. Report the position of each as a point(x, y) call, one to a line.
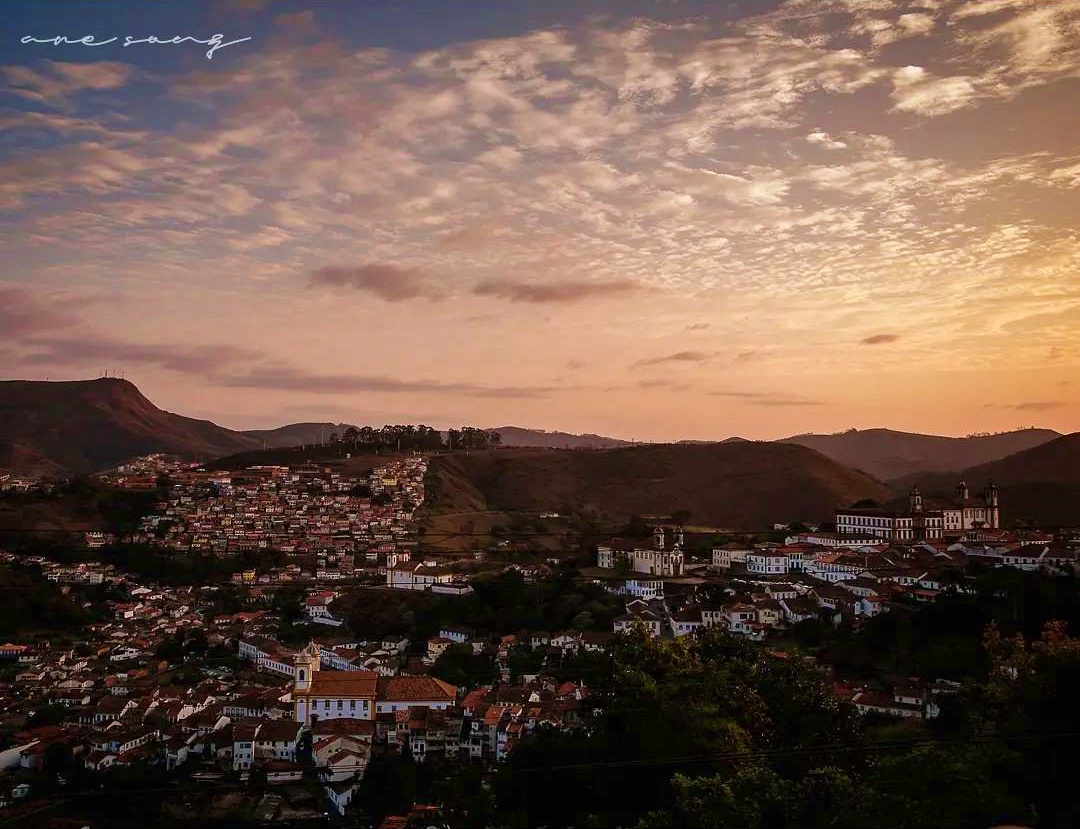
point(742, 485)
point(1040, 484)
point(295, 434)
point(25, 460)
point(517, 436)
point(89, 425)
point(887, 454)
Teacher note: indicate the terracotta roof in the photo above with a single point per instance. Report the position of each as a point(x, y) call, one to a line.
point(409, 688)
point(343, 727)
point(341, 685)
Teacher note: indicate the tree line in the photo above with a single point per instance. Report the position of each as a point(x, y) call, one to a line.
point(419, 437)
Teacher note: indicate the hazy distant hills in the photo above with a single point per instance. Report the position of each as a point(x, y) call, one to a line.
point(1041, 483)
point(296, 434)
point(89, 425)
point(517, 436)
point(739, 484)
point(887, 454)
point(59, 428)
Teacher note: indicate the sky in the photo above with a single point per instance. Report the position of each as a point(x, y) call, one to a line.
point(657, 221)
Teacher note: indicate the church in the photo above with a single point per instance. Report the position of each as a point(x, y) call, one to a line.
point(925, 519)
point(361, 695)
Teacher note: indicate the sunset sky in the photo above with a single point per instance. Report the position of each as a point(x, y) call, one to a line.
point(649, 220)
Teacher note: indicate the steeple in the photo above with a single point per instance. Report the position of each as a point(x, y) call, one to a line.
point(962, 492)
point(306, 664)
point(915, 499)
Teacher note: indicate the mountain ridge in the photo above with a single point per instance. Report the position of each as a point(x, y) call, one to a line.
point(889, 454)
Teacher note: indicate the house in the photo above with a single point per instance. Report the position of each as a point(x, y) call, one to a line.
point(340, 794)
point(638, 612)
point(436, 647)
point(277, 740)
point(687, 621)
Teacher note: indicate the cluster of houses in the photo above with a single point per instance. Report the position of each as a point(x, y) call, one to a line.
point(300, 509)
point(753, 589)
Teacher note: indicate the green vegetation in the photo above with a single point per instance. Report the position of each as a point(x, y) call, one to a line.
point(498, 605)
point(33, 605)
point(712, 733)
point(459, 666)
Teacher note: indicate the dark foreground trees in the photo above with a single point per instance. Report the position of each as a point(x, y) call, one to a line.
point(714, 733)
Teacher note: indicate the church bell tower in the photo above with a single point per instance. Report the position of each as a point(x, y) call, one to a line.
point(307, 663)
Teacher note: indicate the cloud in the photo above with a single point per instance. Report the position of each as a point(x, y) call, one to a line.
point(879, 339)
point(388, 282)
point(823, 139)
point(60, 80)
point(1029, 406)
point(915, 90)
point(292, 379)
point(677, 357)
point(754, 398)
point(553, 292)
point(91, 348)
point(698, 326)
point(25, 313)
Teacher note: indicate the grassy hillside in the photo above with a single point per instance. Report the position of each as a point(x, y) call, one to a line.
point(89, 425)
point(739, 485)
point(517, 436)
point(887, 454)
point(296, 434)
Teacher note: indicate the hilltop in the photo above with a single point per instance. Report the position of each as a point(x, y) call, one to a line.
point(296, 434)
point(744, 485)
point(88, 425)
point(1041, 483)
point(517, 436)
point(888, 454)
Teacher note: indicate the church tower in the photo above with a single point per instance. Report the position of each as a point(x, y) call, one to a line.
point(307, 663)
point(658, 537)
point(962, 493)
point(915, 500)
point(992, 508)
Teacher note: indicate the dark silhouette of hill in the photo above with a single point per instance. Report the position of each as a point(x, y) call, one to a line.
point(25, 460)
point(744, 485)
point(296, 434)
point(90, 425)
point(1040, 484)
point(888, 454)
point(518, 436)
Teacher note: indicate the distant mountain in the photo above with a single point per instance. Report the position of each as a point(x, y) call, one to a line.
point(296, 434)
point(887, 454)
point(1041, 483)
point(517, 436)
point(90, 425)
point(743, 485)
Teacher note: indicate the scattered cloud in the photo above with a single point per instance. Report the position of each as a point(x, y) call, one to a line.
point(296, 380)
point(553, 292)
point(879, 339)
point(57, 81)
point(677, 357)
point(754, 398)
point(823, 139)
point(1030, 406)
point(388, 282)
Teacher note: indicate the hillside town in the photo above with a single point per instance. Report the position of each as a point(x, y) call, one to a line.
point(263, 678)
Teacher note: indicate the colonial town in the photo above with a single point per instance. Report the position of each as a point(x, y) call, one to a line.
point(268, 675)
